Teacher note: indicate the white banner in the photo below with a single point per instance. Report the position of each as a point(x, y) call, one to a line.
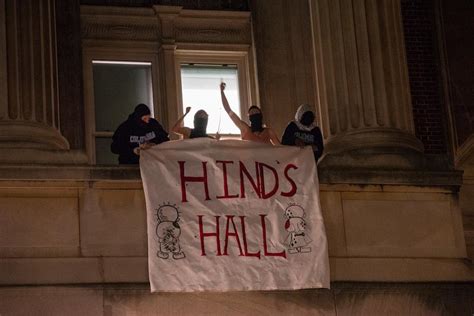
point(233, 215)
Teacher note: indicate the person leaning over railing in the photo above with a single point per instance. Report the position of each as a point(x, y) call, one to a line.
point(139, 131)
point(257, 131)
point(304, 132)
point(200, 125)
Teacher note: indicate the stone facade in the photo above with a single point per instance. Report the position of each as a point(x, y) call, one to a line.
point(393, 211)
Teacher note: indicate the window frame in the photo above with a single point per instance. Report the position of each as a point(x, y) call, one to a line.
point(89, 102)
point(238, 58)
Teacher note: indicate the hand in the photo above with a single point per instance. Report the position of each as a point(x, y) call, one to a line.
point(188, 109)
point(136, 151)
point(218, 136)
point(299, 142)
point(222, 86)
point(146, 146)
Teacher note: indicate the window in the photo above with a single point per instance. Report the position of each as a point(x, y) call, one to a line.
point(200, 90)
point(118, 87)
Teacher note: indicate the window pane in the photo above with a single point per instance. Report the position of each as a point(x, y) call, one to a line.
point(118, 88)
point(102, 151)
point(200, 87)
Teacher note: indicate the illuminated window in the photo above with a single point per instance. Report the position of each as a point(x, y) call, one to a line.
point(200, 90)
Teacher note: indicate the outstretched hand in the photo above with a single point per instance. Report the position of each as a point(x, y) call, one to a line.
point(222, 86)
point(146, 146)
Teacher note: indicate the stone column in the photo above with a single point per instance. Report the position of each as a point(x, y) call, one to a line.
point(29, 109)
point(364, 98)
point(167, 54)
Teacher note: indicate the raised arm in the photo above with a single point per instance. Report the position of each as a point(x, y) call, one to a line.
point(178, 126)
point(273, 137)
point(237, 121)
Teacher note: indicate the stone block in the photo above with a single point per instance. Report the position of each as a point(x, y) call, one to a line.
point(50, 271)
point(139, 301)
point(45, 300)
point(400, 270)
point(331, 207)
point(113, 223)
point(127, 270)
point(400, 225)
point(404, 299)
point(39, 226)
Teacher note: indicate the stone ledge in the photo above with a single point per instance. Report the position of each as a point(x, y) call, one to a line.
point(344, 298)
point(401, 269)
point(135, 270)
point(449, 178)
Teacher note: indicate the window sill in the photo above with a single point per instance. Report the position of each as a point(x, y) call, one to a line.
point(85, 173)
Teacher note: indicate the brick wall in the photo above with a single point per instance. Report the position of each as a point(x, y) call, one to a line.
point(423, 68)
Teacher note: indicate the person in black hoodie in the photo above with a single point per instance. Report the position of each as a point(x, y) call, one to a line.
point(304, 132)
point(139, 131)
point(200, 126)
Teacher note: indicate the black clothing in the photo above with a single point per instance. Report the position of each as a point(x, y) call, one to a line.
point(141, 110)
point(256, 122)
point(313, 137)
point(132, 133)
point(197, 133)
point(200, 126)
point(307, 118)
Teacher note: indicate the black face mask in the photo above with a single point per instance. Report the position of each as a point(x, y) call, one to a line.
point(256, 122)
point(200, 126)
point(307, 119)
point(140, 122)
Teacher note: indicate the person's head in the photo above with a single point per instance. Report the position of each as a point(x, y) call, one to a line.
point(255, 118)
point(142, 113)
point(200, 121)
point(305, 115)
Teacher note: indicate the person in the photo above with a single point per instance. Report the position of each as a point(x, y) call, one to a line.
point(304, 132)
point(257, 131)
point(200, 125)
point(139, 131)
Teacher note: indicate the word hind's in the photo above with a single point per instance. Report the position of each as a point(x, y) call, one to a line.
point(259, 183)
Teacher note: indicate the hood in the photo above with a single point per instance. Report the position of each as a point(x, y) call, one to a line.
point(302, 109)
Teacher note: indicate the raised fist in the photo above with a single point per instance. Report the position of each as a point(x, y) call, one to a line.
point(223, 86)
point(188, 108)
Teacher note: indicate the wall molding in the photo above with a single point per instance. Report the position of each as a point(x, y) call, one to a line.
point(165, 23)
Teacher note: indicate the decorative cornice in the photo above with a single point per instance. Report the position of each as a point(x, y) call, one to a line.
point(189, 34)
point(115, 31)
point(165, 23)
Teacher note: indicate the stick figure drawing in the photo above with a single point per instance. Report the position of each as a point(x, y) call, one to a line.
point(168, 232)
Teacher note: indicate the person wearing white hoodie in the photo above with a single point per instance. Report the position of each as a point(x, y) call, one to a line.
point(304, 132)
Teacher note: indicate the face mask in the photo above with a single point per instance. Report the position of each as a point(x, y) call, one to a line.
point(307, 118)
point(200, 125)
point(256, 122)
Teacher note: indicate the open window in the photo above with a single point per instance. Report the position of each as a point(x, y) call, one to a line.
point(118, 87)
point(200, 90)
point(199, 75)
point(114, 85)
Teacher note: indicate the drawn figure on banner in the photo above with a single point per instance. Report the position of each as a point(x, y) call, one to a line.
point(295, 225)
point(168, 232)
